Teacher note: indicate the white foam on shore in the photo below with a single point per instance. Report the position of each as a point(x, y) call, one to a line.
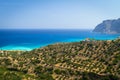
point(10, 47)
point(24, 48)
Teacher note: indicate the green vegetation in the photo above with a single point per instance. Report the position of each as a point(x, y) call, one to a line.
point(85, 60)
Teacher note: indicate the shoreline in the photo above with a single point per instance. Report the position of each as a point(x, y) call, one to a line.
point(41, 46)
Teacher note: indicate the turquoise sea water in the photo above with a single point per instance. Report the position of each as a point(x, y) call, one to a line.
point(31, 39)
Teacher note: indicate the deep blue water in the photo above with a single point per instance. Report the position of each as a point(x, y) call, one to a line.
point(30, 39)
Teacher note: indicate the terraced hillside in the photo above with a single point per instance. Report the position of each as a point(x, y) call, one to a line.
point(85, 60)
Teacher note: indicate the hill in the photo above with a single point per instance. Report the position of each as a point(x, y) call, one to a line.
point(84, 60)
point(108, 26)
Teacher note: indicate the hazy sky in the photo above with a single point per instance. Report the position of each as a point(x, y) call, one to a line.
point(69, 14)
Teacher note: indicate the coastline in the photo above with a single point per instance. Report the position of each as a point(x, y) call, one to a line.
point(27, 40)
point(23, 48)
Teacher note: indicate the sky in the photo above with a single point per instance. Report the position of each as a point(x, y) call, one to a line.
point(56, 14)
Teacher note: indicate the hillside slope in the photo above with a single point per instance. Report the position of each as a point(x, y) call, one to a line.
point(85, 60)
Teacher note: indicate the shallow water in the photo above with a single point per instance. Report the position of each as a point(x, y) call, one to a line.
point(28, 39)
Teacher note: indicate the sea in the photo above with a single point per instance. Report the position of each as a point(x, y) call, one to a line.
point(29, 39)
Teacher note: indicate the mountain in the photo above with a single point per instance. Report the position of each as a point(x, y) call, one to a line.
point(84, 60)
point(108, 26)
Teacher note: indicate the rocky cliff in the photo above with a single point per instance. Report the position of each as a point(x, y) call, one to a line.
point(108, 26)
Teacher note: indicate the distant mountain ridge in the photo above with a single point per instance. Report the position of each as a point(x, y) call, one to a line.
point(108, 26)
